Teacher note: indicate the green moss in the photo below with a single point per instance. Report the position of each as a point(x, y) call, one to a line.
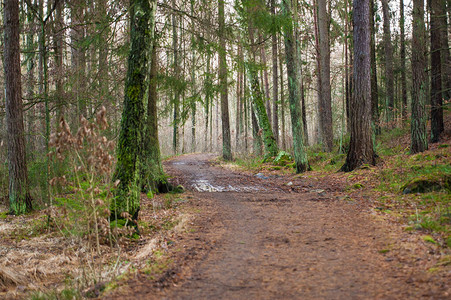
point(429, 239)
point(358, 186)
point(428, 183)
point(283, 159)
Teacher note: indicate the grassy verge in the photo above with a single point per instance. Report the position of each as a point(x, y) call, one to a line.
point(413, 189)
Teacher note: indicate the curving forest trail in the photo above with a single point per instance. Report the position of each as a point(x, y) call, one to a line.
point(261, 238)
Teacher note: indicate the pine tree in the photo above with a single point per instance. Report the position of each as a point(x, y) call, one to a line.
point(361, 145)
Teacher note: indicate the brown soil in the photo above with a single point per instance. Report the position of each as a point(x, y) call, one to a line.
point(284, 237)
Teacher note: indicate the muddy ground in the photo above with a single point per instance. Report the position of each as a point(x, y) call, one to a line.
point(284, 237)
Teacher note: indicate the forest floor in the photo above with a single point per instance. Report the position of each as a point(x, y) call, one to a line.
point(285, 236)
point(254, 230)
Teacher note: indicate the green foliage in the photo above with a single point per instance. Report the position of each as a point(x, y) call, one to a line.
point(429, 239)
point(250, 162)
point(65, 294)
point(283, 158)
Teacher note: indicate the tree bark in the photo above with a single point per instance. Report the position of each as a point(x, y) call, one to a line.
point(437, 125)
point(403, 61)
point(446, 57)
point(226, 140)
point(58, 46)
point(19, 195)
point(130, 142)
point(300, 154)
point(419, 142)
point(282, 99)
point(176, 100)
point(78, 55)
point(275, 86)
point(324, 101)
point(374, 91)
point(389, 79)
point(258, 100)
point(361, 145)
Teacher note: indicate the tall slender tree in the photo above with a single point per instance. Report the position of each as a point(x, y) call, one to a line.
point(374, 89)
point(437, 125)
point(19, 194)
point(226, 140)
point(389, 78)
point(402, 53)
point(361, 149)
point(300, 154)
point(419, 142)
point(324, 101)
point(275, 86)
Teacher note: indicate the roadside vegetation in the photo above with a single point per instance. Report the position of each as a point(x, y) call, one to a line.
point(411, 190)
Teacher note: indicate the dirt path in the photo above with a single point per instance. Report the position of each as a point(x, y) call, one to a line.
point(263, 239)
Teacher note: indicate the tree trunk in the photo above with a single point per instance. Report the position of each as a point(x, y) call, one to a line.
point(19, 195)
point(446, 57)
point(258, 101)
point(58, 46)
point(226, 140)
point(348, 62)
point(361, 145)
point(275, 86)
point(153, 176)
point(194, 96)
point(389, 79)
point(325, 106)
point(265, 78)
point(419, 142)
point(403, 61)
point(374, 92)
point(239, 102)
point(437, 125)
point(300, 154)
point(282, 99)
point(103, 54)
point(176, 100)
point(78, 55)
point(31, 61)
point(207, 97)
point(130, 142)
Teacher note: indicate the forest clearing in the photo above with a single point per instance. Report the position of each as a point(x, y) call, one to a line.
point(230, 149)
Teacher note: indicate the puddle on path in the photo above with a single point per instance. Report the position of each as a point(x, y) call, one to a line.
point(203, 185)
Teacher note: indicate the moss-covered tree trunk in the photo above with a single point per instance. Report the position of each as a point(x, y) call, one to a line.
point(153, 175)
point(130, 146)
point(419, 142)
point(297, 126)
point(258, 101)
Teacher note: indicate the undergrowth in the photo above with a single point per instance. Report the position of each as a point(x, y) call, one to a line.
point(394, 185)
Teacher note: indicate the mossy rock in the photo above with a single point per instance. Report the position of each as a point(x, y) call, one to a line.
point(283, 158)
point(428, 183)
